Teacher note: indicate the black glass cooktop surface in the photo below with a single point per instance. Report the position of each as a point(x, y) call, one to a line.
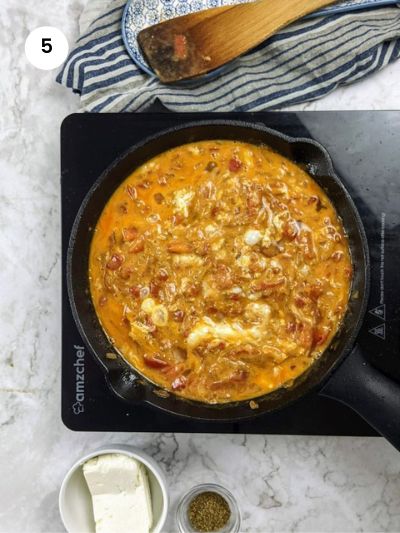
point(364, 149)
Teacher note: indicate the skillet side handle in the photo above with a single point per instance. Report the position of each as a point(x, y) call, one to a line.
point(370, 393)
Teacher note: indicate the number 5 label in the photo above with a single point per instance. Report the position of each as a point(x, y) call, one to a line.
point(46, 48)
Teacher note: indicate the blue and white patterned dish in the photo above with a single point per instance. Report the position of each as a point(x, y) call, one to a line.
point(139, 14)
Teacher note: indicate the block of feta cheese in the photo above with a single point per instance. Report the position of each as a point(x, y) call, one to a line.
point(120, 494)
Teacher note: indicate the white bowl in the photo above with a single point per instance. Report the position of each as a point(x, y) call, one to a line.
point(75, 501)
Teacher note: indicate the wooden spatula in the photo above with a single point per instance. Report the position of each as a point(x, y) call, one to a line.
point(187, 46)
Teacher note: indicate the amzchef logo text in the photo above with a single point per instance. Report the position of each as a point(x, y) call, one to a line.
point(79, 365)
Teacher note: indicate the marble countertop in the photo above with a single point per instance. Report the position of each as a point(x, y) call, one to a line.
point(306, 484)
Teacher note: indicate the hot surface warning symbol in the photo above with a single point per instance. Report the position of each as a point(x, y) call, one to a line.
point(379, 331)
point(379, 311)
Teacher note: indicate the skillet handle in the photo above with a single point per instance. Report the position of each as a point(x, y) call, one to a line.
point(370, 393)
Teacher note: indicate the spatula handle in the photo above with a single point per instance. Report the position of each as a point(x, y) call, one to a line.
point(248, 25)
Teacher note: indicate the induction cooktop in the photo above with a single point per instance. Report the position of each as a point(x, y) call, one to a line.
point(364, 149)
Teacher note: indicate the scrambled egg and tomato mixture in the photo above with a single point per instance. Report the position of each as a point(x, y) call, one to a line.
point(220, 270)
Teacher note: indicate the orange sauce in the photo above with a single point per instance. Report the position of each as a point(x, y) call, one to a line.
point(220, 270)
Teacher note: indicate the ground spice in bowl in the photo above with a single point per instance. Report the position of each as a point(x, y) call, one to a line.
point(207, 508)
point(208, 511)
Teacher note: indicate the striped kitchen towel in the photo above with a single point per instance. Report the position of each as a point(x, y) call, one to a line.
point(305, 61)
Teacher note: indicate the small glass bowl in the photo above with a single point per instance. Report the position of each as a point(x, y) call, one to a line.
point(182, 516)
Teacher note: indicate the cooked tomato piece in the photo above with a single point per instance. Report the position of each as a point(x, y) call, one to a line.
point(320, 336)
point(180, 47)
point(267, 286)
point(154, 361)
point(137, 246)
point(135, 291)
point(179, 247)
point(234, 165)
point(179, 383)
point(115, 262)
point(178, 315)
point(300, 301)
point(159, 198)
point(130, 234)
point(237, 377)
point(316, 290)
point(154, 288)
point(223, 277)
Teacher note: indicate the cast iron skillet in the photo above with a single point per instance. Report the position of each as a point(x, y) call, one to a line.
point(355, 382)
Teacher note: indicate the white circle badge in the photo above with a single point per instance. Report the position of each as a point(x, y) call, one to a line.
point(46, 47)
